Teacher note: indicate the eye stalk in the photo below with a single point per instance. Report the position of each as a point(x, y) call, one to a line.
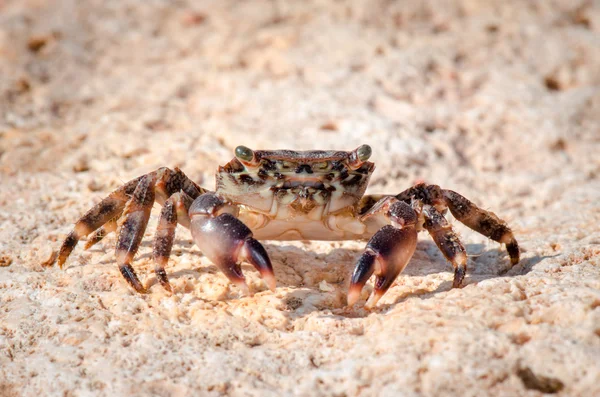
point(359, 156)
point(364, 152)
point(245, 155)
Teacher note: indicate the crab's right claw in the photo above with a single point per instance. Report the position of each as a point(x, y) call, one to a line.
point(386, 255)
point(254, 253)
point(226, 241)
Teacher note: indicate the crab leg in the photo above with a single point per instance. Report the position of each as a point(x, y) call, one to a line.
point(99, 234)
point(104, 211)
point(174, 210)
point(163, 241)
point(226, 240)
point(478, 219)
point(483, 222)
point(101, 215)
point(387, 252)
point(132, 226)
point(447, 241)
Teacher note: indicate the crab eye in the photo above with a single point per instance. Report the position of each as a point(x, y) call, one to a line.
point(364, 152)
point(244, 153)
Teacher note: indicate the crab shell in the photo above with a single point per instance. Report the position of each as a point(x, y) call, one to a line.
point(296, 195)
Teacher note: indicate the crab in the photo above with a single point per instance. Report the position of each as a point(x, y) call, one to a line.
point(286, 195)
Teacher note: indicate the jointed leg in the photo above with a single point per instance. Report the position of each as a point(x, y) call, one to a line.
point(478, 219)
point(387, 252)
point(175, 208)
point(103, 212)
point(110, 209)
point(128, 209)
point(99, 234)
point(482, 221)
point(132, 226)
point(447, 241)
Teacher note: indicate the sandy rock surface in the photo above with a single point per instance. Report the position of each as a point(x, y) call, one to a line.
point(498, 100)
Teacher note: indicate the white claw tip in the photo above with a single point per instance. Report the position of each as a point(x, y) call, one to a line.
point(353, 296)
point(243, 287)
point(372, 301)
point(270, 281)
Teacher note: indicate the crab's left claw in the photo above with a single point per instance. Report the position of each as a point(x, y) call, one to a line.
point(386, 255)
point(226, 241)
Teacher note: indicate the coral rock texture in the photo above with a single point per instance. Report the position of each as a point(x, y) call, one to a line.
point(498, 100)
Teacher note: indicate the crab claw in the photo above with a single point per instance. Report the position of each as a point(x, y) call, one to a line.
point(226, 241)
point(386, 255)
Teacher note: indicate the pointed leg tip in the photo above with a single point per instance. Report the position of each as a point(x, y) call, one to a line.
point(512, 247)
point(61, 258)
point(60, 262)
point(514, 258)
point(133, 280)
point(167, 286)
point(459, 276)
point(161, 275)
point(139, 288)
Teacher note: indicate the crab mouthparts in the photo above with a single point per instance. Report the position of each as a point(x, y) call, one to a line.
point(303, 203)
point(314, 183)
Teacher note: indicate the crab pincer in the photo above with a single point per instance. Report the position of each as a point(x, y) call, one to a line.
point(386, 255)
point(227, 241)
